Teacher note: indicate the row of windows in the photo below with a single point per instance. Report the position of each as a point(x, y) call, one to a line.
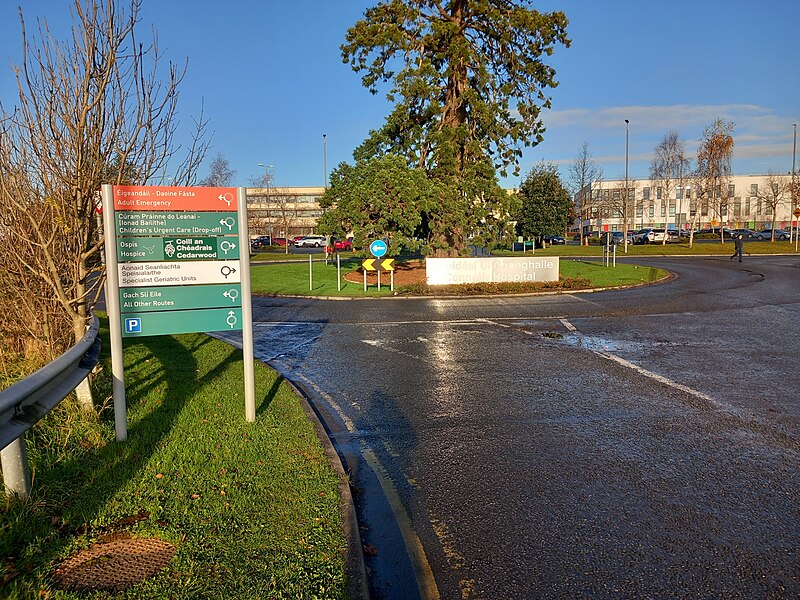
point(278, 198)
point(679, 192)
point(288, 214)
point(736, 208)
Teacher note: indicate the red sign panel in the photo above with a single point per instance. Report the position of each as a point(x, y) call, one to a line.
point(134, 197)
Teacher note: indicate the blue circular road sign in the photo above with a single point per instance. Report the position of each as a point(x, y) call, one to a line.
point(378, 248)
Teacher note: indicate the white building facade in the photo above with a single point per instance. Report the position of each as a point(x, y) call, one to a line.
point(742, 201)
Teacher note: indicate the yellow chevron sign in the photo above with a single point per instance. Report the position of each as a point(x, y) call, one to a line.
point(375, 264)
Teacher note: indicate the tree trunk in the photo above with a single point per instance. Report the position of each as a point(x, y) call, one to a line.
point(84, 390)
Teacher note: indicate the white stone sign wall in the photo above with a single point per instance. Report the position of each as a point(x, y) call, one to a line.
point(449, 271)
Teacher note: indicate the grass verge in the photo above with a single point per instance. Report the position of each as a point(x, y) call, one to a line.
point(293, 279)
point(253, 508)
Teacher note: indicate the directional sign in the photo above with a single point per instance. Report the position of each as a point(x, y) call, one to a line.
point(180, 321)
point(374, 264)
point(162, 198)
point(378, 248)
point(176, 223)
point(178, 273)
point(142, 249)
point(151, 299)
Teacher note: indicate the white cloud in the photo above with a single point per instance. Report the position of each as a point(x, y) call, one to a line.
point(762, 138)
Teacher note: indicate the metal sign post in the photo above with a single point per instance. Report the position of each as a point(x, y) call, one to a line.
point(113, 308)
point(177, 262)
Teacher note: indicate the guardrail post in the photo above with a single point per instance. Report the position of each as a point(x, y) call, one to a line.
point(16, 475)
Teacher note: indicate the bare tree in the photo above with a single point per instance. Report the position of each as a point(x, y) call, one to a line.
point(667, 167)
point(773, 193)
point(583, 172)
point(92, 109)
point(714, 167)
point(621, 205)
point(220, 173)
point(274, 208)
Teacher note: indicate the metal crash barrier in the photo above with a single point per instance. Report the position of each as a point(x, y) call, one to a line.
point(27, 401)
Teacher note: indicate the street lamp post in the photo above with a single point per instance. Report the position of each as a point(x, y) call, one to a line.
point(625, 202)
point(325, 160)
point(266, 173)
point(794, 186)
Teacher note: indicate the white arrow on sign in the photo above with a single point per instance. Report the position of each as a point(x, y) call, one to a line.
point(190, 272)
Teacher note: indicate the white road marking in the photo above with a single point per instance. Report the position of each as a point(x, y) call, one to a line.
point(719, 404)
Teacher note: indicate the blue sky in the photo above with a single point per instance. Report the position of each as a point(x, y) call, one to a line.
point(271, 78)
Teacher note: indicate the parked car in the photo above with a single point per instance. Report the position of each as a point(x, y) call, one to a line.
point(651, 235)
point(715, 231)
point(345, 245)
point(766, 234)
point(747, 233)
point(310, 241)
point(261, 242)
point(281, 241)
point(554, 239)
point(617, 237)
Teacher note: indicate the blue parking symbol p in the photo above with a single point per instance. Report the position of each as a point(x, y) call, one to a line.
point(133, 325)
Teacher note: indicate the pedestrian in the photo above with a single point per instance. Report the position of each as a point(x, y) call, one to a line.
point(739, 246)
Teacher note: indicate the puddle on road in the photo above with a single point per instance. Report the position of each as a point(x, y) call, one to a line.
point(598, 343)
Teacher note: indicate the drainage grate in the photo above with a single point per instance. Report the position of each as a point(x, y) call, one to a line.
point(113, 565)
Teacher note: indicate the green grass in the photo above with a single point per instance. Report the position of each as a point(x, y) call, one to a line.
point(293, 279)
point(601, 276)
point(253, 508)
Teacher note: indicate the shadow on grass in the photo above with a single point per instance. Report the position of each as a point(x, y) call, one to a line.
point(269, 396)
point(70, 494)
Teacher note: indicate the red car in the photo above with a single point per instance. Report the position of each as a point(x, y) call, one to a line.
point(343, 245)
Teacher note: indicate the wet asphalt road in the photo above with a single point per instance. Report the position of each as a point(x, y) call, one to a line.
point(636, 443)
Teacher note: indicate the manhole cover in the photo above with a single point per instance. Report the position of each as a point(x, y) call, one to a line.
point(113, 565)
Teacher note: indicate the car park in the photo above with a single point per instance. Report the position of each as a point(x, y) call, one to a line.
point(715, 231)
point(310, 241)
point(766, 234)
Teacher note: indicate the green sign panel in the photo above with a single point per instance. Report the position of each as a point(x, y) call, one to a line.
point(170, 298)
point(181, 321)
point(145, 249)
point(176, 223)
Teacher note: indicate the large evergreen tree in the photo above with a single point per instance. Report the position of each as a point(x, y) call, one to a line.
point(545, 203)
point(377, 198)
point(468, 81)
